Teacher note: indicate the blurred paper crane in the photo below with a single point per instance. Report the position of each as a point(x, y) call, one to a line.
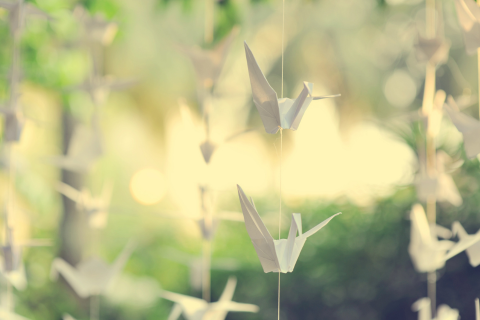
point(96, 208)
point(442, 186)
point(276, 255)
point(18, 11)
point(444, 312)
point(468, 126)
point(83, 150)
point(198, 309)
point(426, 251)
point(473, 252)
point(434, 50)
point(469, 17)
point(277, 113)
point(208, 64)
point(92, 276)
point(194, 263)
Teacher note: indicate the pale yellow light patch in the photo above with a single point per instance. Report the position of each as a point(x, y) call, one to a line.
point(148, 186)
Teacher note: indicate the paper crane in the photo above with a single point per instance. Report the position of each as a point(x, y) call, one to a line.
point(426, 251)
point(473, 252)
point(92, 276)
point(275, 255)
point(208, 64)
point(100, 87)
point(442, 186)
point(194, 263)
point(434, 50)
point(444, 312)
point(277, 113)
point(469, 17)
point(96, 208)
point(198, 309)
point(468, 126)
point(18, 11)
point(84, 149)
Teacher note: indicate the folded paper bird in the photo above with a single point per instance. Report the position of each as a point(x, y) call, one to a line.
point(473, 252)
point(275, 255)
point(444, 312)
point(469, 17)
point(468, 126)
point(277, 113)
point(96, 208)
point(426, 251)
point(199, 309)
point(18, 11)
point(93, 276)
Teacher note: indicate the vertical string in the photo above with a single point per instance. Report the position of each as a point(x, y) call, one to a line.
point(95, 307)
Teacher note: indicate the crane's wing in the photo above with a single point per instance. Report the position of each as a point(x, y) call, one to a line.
point(190, 305)
point(299, 106)
point(227, 294)
point(69, 192)
point(319, 226)
point(264, 97)
point(122, 259)
point(462, 245)
point(175, 313)
point(261, 238)
point(469, 16)
point(71, 275)
point(422, 306)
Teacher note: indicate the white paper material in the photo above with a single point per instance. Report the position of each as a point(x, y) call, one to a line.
point(444, 312)
point(275, 255)
point(84, 149)
point(92, 276)
point(18, 11)
point(198, 309)
point(277, 113)
point(426, 251)
point(66, 316)
point(468, 126)
point(473, 252)
point(208, 64)
point(477, 309)
point(469, 17)
point(96, 208)
point(435, 50)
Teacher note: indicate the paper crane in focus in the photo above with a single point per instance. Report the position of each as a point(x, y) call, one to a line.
point(92, 276)
point(469, 17)
point(18, 11)
point(473, 252)
point(194, 263)
point(275, 255)
point(208, 64)
point(83, 150)
point(198, 309)
point(468, 126)
point(277, 113)
point(444, 312)
point(442, 186)
point(96, 208)
point(426, 251)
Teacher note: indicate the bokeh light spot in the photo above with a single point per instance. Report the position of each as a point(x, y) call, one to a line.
point(148, 186)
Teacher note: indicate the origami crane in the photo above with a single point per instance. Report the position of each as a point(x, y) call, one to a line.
point(96, 208)
point(468, 126)
point(444, 312)
point(93, 276)
point(194, 263)
point(275, 255)
point(473, 252)
point(198, 309)
point(208, 64)
point(426, 251)
point(18, 11)
point(84, 149)
point(277, 113)
point(469, 17)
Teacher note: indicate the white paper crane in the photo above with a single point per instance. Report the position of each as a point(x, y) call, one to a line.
point(198, 309)
point(468, 126)
point(426, 251)
point(92, 276)
point(208, 64)
point(444, 312)
point(277, 113)
point(96, 208)
point(84, 149)
point(275, 255)
point(473, 252)
point(18, 11)
point(469, 17)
